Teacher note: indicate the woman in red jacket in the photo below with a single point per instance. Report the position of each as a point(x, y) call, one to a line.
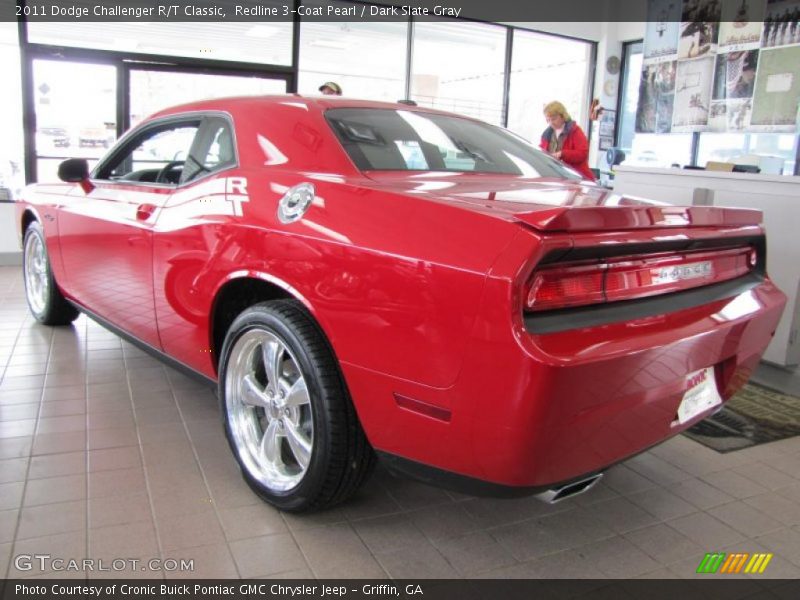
point(565, 140)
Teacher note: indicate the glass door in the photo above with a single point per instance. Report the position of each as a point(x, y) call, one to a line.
point(75, 106)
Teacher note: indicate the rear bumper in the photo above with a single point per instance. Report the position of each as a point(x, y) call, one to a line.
point(534, 410)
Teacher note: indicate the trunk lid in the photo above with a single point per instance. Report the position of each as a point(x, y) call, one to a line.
point(551, 205)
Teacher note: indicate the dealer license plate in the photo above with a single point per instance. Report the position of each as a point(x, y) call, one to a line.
point(701, 394)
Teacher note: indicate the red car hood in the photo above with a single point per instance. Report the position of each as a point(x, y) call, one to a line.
point(555, 204)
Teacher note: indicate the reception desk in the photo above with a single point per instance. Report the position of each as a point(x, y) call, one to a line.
point(778, 197)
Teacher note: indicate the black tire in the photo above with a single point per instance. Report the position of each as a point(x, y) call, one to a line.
point(46, 302)
point(341, 458)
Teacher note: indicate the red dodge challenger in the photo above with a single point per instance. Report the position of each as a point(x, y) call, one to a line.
point(362, 279)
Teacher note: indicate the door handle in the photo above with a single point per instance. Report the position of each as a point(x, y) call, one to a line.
point(144, 211)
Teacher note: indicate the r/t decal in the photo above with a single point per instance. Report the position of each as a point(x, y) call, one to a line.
point(236, 193)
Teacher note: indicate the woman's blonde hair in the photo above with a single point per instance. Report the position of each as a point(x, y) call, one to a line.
point(556, 108)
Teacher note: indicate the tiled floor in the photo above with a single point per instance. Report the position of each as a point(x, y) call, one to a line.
point(107, 454)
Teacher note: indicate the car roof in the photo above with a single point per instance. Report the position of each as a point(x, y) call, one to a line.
point(320, 103)
point(291, 122)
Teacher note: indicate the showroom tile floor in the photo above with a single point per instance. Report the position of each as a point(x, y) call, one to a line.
point(107, 454)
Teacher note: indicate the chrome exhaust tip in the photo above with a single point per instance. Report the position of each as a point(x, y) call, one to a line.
point(557, 494)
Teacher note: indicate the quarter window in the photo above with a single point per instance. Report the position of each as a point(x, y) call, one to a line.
point(220, 153)
point(213, 150)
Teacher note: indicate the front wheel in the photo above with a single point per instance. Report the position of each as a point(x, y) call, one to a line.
point(45, 300)
point(288, 416)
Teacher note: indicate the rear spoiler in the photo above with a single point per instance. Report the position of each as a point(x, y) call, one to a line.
point(613, 218)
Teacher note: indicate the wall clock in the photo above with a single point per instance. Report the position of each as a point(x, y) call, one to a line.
point(612, 65)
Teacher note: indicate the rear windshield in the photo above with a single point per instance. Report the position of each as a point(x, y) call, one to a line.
point(400, 140)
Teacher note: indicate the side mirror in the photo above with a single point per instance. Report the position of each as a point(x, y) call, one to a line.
point(73, 170)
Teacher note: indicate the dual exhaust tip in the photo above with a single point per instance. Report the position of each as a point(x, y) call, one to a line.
point(557, 494)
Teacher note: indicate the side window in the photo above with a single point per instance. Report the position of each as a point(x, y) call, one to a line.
point(157, 155)
point(215, 150)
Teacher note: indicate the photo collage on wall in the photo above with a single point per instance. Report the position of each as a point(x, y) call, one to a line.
point(720, 65)
point(657, 86)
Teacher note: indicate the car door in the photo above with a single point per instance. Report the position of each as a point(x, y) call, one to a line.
point(193, 238)
point(107, 233)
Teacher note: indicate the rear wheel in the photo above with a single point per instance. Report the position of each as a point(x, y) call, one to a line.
point(45, 300)
point(288, 416)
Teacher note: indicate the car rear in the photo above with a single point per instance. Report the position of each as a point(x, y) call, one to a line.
point(607, 325)
point(615, 341)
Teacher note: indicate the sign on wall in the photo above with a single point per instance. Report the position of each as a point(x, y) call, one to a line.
point(661, 34)
point(692, 95)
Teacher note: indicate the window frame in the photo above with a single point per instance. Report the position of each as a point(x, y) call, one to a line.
point(628, 48)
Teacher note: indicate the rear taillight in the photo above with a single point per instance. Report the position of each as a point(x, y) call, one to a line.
point(627, 278)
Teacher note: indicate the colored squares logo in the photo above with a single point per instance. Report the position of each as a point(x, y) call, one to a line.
point(735, 562)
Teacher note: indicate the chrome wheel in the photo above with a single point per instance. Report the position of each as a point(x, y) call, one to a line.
point(269, 410)
point(287, 413)
point(37, 280)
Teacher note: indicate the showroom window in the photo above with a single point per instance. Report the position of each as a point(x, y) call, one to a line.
point(262, 43)
point(645, 149)
point(459, 67)
point(153, 90)
point(776, 151)
point(75, 106)
point(501, 74)
point(546, 68)
point(327, 51)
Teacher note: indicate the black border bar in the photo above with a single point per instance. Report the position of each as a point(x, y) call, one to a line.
point(321, 10)
point(719, 587)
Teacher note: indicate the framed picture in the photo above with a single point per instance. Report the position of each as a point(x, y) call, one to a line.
point(606, 142)
point(608, 121)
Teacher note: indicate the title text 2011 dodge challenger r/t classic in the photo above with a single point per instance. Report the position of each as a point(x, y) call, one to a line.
point(366, 279)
